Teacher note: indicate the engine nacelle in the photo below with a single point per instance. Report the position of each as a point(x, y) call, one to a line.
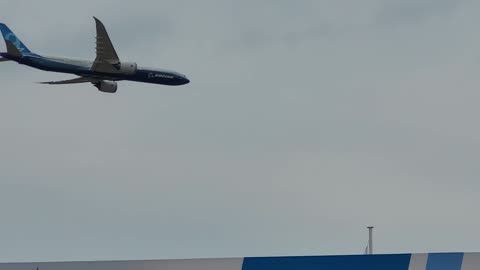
point(127, 68)
point(107, 86)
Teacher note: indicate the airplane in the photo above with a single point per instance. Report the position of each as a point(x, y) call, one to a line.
point(104, 72)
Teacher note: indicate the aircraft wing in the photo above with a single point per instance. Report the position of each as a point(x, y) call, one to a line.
point(72, 81)
point(107, 59)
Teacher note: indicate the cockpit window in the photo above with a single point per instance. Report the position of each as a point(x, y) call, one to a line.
point(181, 75)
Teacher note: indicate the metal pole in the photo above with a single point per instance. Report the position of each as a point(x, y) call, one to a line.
point(370, 240)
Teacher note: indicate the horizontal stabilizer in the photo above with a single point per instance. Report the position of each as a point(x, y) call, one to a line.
point(72, 81)
point(4, 59)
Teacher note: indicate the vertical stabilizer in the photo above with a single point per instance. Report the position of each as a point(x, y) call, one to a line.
point(12, 49)
point(14, 41)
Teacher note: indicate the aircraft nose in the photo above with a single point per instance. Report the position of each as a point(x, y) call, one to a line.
point(181, 80)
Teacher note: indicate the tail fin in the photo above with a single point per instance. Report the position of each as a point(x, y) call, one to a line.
point(13, 50)
point(12, 41)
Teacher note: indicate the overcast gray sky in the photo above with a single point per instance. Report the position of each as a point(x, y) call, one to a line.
point(305, 122)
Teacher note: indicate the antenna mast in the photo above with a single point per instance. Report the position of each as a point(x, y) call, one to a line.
point(370, 240)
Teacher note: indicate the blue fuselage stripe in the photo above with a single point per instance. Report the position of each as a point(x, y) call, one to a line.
point(361, 262)
point(49, 65)
point(447, 261)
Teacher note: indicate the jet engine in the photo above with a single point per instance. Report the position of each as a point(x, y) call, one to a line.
point(106, 86)
point(127, 68)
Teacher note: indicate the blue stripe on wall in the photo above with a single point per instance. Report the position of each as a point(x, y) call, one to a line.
point(360, 262)
point(446, 261)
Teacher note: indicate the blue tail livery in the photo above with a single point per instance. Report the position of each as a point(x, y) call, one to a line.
point(103, 72)
point(8, 35)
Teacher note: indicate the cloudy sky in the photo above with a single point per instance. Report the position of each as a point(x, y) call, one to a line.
point(305, 122)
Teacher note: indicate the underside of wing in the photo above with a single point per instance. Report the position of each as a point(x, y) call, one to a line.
point(107, 59)
point(73, 81)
